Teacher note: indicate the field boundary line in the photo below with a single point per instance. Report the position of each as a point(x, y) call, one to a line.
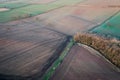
point(56, 64)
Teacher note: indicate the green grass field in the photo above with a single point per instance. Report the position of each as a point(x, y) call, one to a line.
point(23, 10)
point(110, 27)
point(13, 5)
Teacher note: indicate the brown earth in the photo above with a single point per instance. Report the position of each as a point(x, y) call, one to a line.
point(79, 17)
point(81, 64)
point(25, 45)
point(25, 48)
point(3, 9)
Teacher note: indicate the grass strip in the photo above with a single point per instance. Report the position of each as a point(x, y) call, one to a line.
point(52, 69)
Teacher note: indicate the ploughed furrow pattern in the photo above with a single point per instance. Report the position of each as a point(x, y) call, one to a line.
point(82, 64)
point(25, 49)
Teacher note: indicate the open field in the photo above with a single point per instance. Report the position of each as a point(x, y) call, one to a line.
point(27, 1)
point(111, 28)
point(26, 49)
point(33, 33)
point(43, 1)
point(76, 18)
point(81, 64)
point(13, 5)
point(32, 10)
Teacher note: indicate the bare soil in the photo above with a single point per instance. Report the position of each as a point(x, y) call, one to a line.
point(3, 9)
point(26, 47)
point(79, 17)
point(81, 64)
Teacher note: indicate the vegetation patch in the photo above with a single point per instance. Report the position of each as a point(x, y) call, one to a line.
point(54, 66)
point(110, 48)
point(111, 27)
point(13, 5)
point(33, 9)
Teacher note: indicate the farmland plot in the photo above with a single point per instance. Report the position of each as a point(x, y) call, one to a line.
point(25, 11)
point(110, 28)
point(76, 18)
point(25, 48)
point(84, 64)
point(28, 45)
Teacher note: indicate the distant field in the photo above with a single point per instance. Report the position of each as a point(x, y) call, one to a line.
point(1, 1)
point(13, 5)
point(24, 10)
point(26, 1)
point(111, 28)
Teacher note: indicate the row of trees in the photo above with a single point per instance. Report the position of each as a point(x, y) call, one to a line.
point(110, 48)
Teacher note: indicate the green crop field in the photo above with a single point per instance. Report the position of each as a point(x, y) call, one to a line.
point(24, 10)
point(110, 27)
point(13, 5)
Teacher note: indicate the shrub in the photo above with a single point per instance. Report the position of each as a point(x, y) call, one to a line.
point(110, 48)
